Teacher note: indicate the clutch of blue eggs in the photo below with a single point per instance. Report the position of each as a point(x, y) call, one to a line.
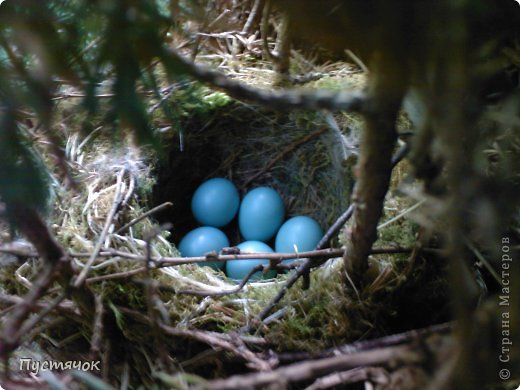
point(261, 214)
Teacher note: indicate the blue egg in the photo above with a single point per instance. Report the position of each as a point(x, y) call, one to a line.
point(215, 202)
point(261, 214)
point(302, 232)
point(238, 269)
point(202, 240)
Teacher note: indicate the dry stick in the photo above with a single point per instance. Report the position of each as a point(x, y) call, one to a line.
point(173, 261)
point(278, 100)
point(209, 338)
point(483, 260)
point(166, 261)
point(340, 222)
point(235, 290)
point(253, 361)
point(305, 268)
point(97, 335)
point(264, 31)
point(358, 346)
point(357, 60)
point(66, 307)
point(156, 209)
point(33, 321)
point(401, 215)
point(290, 148)
point(118, 275)
point(80, 95)
point(130, 191)
point(385, 92)
point(253, 16)
point(263, 268)
point(394, 356)
point(56, 267)
point(115, 208)
point(151, 299)
point(360, 374)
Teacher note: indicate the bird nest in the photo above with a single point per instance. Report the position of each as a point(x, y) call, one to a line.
point(115, 225)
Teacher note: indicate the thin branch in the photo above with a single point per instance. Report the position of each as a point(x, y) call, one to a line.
point(63, 96)
point(66, 307)
point(235, 290)
point(167, 261)
point(401, 215)
point(214, 340)
point(277, 100)
point(253, 361)
point(118, 275)
point(357, 60)
point(361, 374)
point(33, 321)
point(483, 260)
point(138, 219)
point(173, 261)
point(97, 334)
point(365, 345)
point(281, 377)
point(253, 17)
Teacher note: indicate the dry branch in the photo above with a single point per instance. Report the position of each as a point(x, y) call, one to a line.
point(167, 261)
point(372, 374)
point(277, 100)
point(150, 212)
point(56, 267)
point(365, 345)
point(387, 357)
point(214, 340)
point(374, 167)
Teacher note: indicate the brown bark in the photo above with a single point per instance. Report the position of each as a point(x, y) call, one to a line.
point(385, 93)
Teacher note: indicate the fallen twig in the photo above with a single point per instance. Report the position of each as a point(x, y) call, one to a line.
point(152, 211)
point(365, 345)
point(218, 341)
point(373, 374)
point(281, 377)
